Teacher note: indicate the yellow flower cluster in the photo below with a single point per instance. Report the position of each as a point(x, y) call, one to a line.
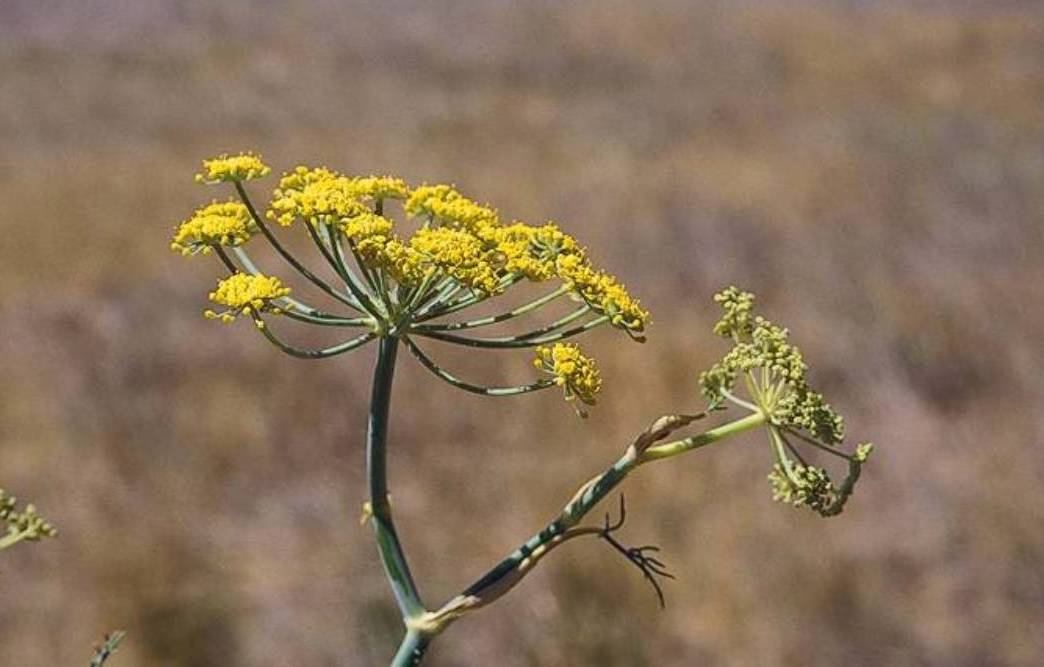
point(444, 205)
point(322, 196)
point(217, 224)
point(301, 177)
point(461, 239)
point(392, 256)
point(366, 225)
point(242, 293)
point(380, 187)
point(459, 254)
point(602, 292)
point(242, 167)
point(476, 260)
point(531, 251)
point(317, 196)
point(574, 372)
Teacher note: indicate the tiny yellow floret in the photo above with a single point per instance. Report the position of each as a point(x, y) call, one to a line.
point(245, 294)
point(217, 224)
point(575, 373)
point(232, 168)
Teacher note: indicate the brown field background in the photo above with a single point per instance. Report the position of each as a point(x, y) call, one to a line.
point(874, 171)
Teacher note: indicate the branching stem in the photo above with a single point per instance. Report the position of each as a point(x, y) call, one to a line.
point(510, 571)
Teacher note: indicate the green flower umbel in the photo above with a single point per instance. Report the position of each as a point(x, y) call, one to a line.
point(772, 373)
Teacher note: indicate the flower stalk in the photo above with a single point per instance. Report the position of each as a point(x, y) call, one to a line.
point(392, 556)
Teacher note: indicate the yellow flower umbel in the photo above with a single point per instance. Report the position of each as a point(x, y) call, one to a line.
point(575, 373)
point(406, 284)
point(233, 168)
point(218, 224)
point(244, 294)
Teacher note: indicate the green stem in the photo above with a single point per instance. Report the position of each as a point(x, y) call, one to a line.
point(412, 649)
point(367, 274)
point(334, 238)
point(512, 341)
point(493, 319)
point(676, 447)
point(440, 308)
point(392, 556)
point(324, 353)
point(419, 294)
point(105, 651)
point(334, 256)
point(293, 309)
point(289, 258)
point(804, 438)
point(12, 539)
point(557, 324)
point(443, 294)
point(467, 386)
point(512, 569)
point(290, 310)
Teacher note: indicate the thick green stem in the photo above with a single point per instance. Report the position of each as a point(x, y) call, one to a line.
point(676, 447)
point(412, 649)
point(512, 569)
point(392, 556)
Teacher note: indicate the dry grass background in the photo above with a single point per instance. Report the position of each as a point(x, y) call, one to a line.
point(874, 171)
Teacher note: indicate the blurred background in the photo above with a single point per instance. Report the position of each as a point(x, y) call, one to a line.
point(873, 171)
